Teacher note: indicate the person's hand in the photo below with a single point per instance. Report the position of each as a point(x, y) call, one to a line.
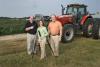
point(31, 27)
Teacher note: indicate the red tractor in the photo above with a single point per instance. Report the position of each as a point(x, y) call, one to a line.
point(75, 18)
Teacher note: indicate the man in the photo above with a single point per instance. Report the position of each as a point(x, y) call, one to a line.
point(31, 28)
point(55, 32)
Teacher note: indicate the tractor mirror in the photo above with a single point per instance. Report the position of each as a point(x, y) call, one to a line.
point(62, 7)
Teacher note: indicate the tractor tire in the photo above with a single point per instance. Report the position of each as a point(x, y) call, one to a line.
point(96, 30)
point(86, 30)
point(68, 33)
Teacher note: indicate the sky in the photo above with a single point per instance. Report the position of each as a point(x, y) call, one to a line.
point(23, 8)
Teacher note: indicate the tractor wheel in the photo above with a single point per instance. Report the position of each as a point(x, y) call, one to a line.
point(87, 27)
point(96, 30)
point(68, 33)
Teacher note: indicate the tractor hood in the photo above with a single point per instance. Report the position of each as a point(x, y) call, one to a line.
point(65, 19)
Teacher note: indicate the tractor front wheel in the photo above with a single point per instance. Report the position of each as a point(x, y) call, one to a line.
point(68, 33)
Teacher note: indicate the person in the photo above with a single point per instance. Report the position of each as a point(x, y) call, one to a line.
point(55, 32)
point(42, 34)
point(31, 28)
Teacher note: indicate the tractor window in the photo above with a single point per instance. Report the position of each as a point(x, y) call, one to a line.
point(75, 11)
point(81, 11)
point(69, 10)
point(72, 10)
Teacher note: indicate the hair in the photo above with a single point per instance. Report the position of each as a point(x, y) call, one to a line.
point(42, 23)
point(53, 15)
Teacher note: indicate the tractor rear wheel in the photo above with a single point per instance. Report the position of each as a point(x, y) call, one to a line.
point(87, 27)
point(96, 30)
point(68, 33)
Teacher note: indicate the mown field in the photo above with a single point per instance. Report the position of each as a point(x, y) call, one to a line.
point(82, 52)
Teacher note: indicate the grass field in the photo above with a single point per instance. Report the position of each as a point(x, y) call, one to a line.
point(82, 52)
point(11, 26)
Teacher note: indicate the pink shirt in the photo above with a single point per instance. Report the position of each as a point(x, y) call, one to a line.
point(54, 27)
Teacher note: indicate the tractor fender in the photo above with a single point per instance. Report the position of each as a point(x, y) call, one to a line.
point(84, 18)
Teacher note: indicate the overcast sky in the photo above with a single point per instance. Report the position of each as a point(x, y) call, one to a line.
point(22, 8)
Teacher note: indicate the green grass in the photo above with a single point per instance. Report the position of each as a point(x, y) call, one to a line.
point(82, 52)
point(12, 26)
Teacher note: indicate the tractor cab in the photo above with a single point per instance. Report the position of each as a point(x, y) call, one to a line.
point(77, 10)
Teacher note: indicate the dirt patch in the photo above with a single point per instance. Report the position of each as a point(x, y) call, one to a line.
point(13, 37)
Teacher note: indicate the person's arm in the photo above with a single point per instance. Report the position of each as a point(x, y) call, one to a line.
point(49, 29)
point(28, 28)
point(46, 32)
point(36, 25)
point(38, 34)
point(60, 26)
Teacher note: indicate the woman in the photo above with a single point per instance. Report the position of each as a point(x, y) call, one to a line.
point(42, 33)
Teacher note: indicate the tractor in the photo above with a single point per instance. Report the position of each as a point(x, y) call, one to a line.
point(76, 19)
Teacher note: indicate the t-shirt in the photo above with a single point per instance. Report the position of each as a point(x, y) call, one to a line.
point(42, 32)
point(54, 27)
point(35, 26)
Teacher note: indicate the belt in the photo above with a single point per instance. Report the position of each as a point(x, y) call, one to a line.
point(55, 35)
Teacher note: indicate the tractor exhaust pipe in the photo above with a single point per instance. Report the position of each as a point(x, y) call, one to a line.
point(62, 9)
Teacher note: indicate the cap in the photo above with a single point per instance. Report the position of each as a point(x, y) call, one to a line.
point(31, 17)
